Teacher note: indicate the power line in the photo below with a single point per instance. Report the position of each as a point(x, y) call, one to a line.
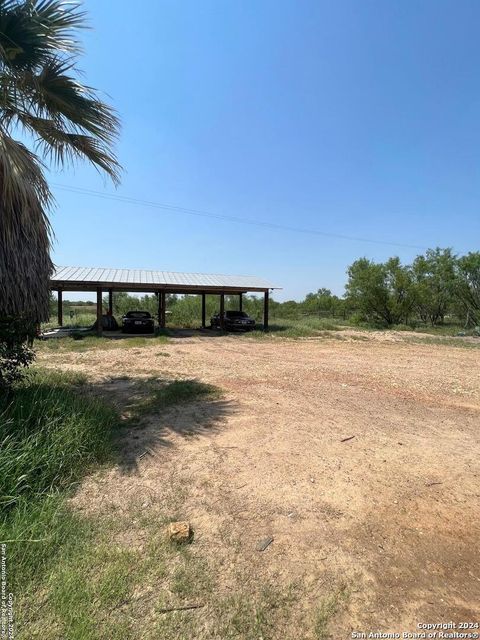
point(208, 214)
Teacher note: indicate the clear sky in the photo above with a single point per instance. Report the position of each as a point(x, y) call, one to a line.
point(346, 117)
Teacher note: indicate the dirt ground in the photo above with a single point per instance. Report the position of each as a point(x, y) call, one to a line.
point(360, 457)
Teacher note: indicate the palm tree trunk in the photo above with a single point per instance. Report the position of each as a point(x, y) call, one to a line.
point(25, 264)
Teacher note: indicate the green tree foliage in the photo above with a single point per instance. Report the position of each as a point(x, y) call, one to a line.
point(434, 284)
point(324, 304)
point(319, 303)
point(382, 292)
point(468, 287)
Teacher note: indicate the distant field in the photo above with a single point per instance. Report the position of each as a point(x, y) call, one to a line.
point(83, 308)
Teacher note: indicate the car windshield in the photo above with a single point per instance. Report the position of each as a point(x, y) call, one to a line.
point(138, 314)
point(236, 314)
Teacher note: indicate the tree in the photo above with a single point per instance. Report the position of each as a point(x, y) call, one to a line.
point(41, 97)
point(468, 286)
point(322, 302)
point(434, 281)
point(380, 291)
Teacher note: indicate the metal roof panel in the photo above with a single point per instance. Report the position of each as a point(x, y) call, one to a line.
point(149, 277)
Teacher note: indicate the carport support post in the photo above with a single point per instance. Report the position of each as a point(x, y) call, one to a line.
point(222, 311)
point(60, 308)
point(240, 301)
point(162, 309)
point(265, 311)
point(159, 310)
point(99, 312)
point(110, 302)
point(204, 311)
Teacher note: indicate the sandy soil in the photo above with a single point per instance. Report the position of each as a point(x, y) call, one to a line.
point(392, 512)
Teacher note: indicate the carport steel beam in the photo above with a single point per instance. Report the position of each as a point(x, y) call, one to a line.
point(82, 285)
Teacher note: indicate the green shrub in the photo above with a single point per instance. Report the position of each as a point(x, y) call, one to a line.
point(402, 327)
point(13, 360)
point(15, 354)
point(357, 319)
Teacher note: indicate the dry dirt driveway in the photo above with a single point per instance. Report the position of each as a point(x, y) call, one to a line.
point(392, 512)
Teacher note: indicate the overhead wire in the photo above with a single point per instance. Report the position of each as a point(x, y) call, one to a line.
point(226, 218)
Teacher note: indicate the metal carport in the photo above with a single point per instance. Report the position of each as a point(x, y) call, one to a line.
point(102, 280)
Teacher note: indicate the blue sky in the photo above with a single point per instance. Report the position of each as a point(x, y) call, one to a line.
point(348, 117)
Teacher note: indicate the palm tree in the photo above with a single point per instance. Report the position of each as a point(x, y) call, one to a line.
point(41, 99)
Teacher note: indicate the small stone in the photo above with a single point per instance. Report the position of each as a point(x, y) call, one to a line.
point(180, 532)
point(263, 544)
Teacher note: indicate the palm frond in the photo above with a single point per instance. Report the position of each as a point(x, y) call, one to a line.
point(64, 147)
point(74, 146)
point(21, 176)
point(58, 95)
point(30, 31)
